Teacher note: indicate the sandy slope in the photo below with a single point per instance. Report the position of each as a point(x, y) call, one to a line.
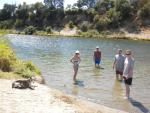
point(44, 100)
point(68, 32)
point(143, 35)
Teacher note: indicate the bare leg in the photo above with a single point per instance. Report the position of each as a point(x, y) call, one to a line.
point(121, 77)
point(117, 76)
point(95, 65)
point(75, 73)
point(127, 90)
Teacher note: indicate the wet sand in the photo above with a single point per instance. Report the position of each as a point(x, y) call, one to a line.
point(44, 100)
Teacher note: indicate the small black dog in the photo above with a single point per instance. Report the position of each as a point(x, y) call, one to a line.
point(23, 84)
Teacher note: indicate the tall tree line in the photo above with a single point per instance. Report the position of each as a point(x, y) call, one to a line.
point(92, 14)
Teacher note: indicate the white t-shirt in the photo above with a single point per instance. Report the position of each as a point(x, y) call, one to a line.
point(128, 67)
point(119, 65)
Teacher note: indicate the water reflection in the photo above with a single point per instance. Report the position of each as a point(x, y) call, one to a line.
point(117, 91)
point(96, 72)
point(75, 90)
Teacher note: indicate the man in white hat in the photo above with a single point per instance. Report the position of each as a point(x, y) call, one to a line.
point(128, 72)
point(97, 56)
point(75, 60)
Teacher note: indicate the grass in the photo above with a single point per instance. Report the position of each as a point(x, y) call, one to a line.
point(9, 75)
point(5, 31)
point(11, 66)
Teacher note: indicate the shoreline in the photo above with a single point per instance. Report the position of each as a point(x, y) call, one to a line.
point(143, 35)
point(45, 100)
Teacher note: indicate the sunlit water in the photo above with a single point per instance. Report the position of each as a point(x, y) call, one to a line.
point(52, 55)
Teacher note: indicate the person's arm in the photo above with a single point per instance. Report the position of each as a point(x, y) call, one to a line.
point(131, 66)
point(79, 59)
point(94, 56)
point(126, 71)
point(100, 55)
point(71, 60)
point(114, 63)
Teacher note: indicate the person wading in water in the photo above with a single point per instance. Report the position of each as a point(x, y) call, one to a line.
point(97, 57)
point(76, 61)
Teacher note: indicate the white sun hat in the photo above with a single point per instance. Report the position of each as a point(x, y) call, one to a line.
point(77, 51)
point(97, 46)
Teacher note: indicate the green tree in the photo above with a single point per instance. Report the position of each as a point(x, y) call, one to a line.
point(86, 3)
point(103, 6)
point(102, 23)
point(7, 12)
point(114, 17)
point(71, 25)
point(124, 8)
point(22, 13)
point(18, 23)
point(144, 12)
point(56, 4)
point(38, 14)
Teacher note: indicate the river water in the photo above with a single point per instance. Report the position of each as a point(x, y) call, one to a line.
point(52, 55)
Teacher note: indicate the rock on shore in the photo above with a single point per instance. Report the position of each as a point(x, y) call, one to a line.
point(44, 100)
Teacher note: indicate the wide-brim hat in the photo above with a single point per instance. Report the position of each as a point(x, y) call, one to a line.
point(97, 47)
point(77, 52)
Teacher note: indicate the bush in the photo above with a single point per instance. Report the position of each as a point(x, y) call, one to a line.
point(30, 30)
point(26, 69)
point(10, 63)
point(102, 24)
point(5, 65)
point(6, 24)
point(71, 26)
point(124, 8)
point(144, 12)
point(29, 65)
point(93, 32)
point(7, 57)
point(84, 26)
point(18, 23)
point(96, 18)
point(114, 17)
point(48, 29)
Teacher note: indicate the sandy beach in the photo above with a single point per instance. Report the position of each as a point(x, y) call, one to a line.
point(44, 100)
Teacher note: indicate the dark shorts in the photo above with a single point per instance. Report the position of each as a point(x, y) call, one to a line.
point(97, 61)
point(128, 81)
point(119, 72)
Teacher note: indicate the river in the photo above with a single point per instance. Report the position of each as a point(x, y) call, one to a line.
point(52, 55)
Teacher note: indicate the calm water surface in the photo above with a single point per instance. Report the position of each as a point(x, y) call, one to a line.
point(52, 56)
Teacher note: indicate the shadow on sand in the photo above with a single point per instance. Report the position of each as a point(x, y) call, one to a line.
point(139, 105)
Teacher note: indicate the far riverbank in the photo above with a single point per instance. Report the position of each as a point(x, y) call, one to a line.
point(144, 34)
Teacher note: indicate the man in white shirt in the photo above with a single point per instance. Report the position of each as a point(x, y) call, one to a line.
point(119, 64)
point(128, 71)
